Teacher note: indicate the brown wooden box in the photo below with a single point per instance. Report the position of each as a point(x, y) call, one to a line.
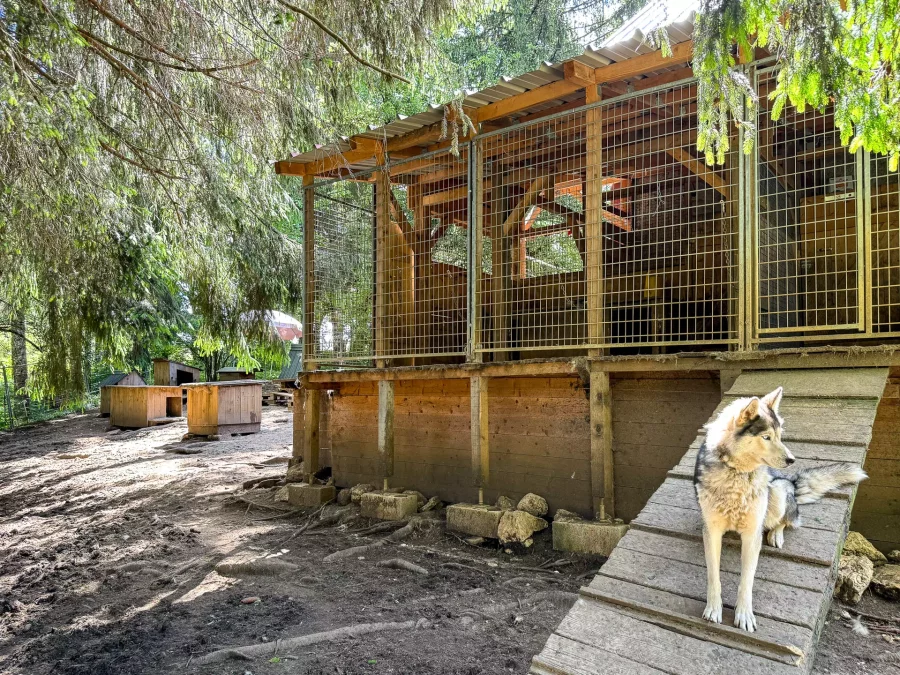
point(224, 407)
point(140, 406)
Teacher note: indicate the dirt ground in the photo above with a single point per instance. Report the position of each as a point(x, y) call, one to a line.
point(109, 543)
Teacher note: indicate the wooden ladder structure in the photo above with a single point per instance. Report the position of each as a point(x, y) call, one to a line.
point(642, 613)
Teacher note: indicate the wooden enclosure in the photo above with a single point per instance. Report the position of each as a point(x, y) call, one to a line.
point(224, 407)
point(133, 407)
point(172, 373)
point(556, 302)
point(114, 380)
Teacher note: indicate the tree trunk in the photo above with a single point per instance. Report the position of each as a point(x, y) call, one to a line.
point(19, 352)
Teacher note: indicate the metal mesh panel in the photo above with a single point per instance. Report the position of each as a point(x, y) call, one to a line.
point(809, 243)
point(884, 215)
point(426, 256)
point(626, 245)
point(344, 270)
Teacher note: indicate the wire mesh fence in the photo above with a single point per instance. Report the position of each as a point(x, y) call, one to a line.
point(19, 408)
point(601, 227)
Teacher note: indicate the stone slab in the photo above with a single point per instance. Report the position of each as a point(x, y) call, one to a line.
point(387, 506)
point(587, 536)
point(476, 520)
point(302, 494)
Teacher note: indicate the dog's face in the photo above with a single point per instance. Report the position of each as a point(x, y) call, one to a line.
point(755, 429)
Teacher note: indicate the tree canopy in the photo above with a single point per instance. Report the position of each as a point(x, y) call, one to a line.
point(845, 52)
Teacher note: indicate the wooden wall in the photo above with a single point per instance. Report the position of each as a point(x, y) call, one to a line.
point(655, 419)
point(540, 439)
point(876, 512)
point(540, 436)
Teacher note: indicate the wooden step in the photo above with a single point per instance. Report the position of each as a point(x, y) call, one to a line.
point(159, 421)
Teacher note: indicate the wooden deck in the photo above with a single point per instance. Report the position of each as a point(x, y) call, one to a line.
point(642, 612)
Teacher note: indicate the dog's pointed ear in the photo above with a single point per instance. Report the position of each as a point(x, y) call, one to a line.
point(773, 399)
point(749, 413)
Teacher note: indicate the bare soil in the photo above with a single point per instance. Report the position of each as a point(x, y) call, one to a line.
point(109, 543)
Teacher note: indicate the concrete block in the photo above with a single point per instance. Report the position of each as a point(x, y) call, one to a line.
point(477, 520)
point(387, 506)
point(587, 536)
point(302, 494)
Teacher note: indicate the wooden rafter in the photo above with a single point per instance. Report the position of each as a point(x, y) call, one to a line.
point(699, 169)
point(526, 202)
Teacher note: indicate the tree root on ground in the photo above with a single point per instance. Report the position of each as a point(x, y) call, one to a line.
point(380, 527)
point(264, 567)
point(528, 580)
point(351, 552)
point(556, 598)
point(460, 566)
point(272, 648)
point(401, 564)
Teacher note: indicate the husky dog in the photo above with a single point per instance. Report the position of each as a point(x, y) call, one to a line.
point(741, 488)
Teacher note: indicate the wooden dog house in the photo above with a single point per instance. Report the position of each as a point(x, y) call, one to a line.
point(134, 407)
point(114, 380)
point(216, 408)
point(172, 373)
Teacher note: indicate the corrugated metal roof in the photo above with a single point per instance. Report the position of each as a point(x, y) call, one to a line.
point(627, 42)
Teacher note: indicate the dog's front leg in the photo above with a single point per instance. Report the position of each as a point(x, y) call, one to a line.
point(751, 543)
point(712, 545)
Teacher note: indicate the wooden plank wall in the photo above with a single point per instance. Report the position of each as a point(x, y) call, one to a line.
point(540, 439)
point(655, 419)
point(876, 512)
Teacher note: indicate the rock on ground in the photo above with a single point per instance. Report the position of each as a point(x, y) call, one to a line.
point(295, 473)
point(565, 516)
point(282, 494)
point(886, 582)
point(854, 575)
point(505, 503)
point(894, 557)
point(856, 544)
point(518, 526)
point(343, 497)
point(357, 491)
point(533, 504)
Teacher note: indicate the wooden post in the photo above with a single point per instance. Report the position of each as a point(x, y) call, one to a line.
point(311, 432)
point(299, 426)
point(478, 390)
point(382, 225)
point(602, 469)
point(593, 219)
point(386, 428)
point(9, 408)
point(476, 243)
point(310, 333)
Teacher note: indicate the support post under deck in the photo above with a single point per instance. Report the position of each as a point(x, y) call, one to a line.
point(386, 428)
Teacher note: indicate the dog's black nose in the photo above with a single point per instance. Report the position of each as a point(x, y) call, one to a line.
point(790, 460)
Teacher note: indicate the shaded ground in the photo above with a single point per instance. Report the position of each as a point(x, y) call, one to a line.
point(108, 544)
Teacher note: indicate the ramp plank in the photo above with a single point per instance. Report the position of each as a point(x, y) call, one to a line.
point(846, 383)
point(562, 655)
point(775, 601)
point(595, 623)
point(778, 570)
point(775, 640)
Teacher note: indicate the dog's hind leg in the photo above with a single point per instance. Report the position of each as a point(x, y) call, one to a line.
point(712, 545)
point(776, 536)
point(751, 543)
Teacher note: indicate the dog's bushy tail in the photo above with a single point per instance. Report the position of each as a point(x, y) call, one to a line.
point(810, 485)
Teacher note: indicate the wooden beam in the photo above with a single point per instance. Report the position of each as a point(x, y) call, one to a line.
point(699, 169)
point(602, 468)
point(480, 436)
point(311, 410)
point(526, 202)
point(386, 429)
point(445, 196)
point(310, 334)
point(299, 430)
point(593, 218)
point(500, 261)
point(286, 167)
point(579, 73)
point(507, 106)
point(639, 65)
point(382, 225)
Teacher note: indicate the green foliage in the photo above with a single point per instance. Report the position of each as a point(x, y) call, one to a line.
point(826, 54)
point(135, 175)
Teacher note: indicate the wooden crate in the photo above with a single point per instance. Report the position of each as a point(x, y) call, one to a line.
point(224, 407)
point(134, 407)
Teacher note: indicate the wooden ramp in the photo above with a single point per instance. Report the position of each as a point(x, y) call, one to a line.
point(642, 612)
